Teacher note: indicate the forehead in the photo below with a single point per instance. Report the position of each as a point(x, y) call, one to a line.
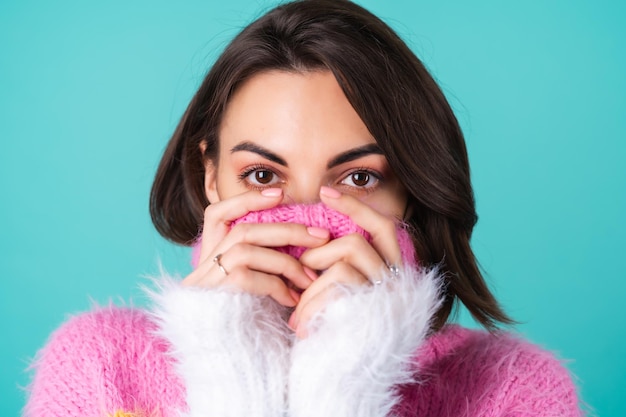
point(297, 109)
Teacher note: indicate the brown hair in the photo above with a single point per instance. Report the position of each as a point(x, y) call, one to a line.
point(396, 98)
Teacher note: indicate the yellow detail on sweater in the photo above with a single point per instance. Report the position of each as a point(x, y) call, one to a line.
point(120, 413)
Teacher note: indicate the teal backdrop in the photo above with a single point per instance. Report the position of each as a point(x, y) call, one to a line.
point(91, 91)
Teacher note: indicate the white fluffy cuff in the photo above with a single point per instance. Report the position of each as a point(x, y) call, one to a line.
point(231, 349)
point(360, 347)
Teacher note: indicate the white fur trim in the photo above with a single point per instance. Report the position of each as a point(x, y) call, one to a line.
point(231, 349)
point(361, 346)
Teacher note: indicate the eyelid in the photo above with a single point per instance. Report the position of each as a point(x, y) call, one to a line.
point(374, 173)
point(367, 170)
point(245, 173)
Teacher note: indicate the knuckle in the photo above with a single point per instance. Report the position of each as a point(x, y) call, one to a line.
point(342, 267)
point(241, 250)
point(295, 231)
point(209, 212)
point(293, 269)
point(242, 231)
point(239, 277)
point(356, 240)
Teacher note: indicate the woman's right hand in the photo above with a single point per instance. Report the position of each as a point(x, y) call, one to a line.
point(245, 252)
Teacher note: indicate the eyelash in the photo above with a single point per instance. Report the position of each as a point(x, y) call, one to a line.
point(251, 169)
point(260, 167)
point(376, 175)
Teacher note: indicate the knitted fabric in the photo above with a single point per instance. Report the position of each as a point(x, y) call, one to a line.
point(316, 215)
point(466, 372)
point(105, 363)
point(120, 362)
point(110, 361)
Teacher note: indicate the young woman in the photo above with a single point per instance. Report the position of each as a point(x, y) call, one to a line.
point(324, 182)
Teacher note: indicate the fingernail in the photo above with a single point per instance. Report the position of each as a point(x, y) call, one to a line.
point(272, 192)
point(329, 192)
point(318, 232)
point(290, 321)
point(310, 273)
point(294, 295)
point(294, 321)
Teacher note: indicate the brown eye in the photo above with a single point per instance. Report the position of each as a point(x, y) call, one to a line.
point(360, 179)
point(260, 177)
point(363, 179)
point(263, 176)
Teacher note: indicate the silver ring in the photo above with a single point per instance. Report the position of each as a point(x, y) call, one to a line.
point(220, 266)
point(394, 269)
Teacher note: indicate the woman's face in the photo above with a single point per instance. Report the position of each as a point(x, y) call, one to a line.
point(298, 132)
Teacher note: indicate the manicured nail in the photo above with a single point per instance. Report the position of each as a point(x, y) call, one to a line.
point(329, 192)
point(294, 295)
point(318, 232)
point(310, 273)
point(291, 320)
point(272, 192)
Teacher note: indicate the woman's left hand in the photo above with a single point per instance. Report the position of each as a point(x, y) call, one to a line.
point(350, 259)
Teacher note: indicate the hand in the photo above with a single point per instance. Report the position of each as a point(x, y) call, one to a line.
point(249, 263)
point(347, 260)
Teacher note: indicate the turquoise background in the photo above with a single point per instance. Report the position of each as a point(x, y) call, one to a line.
point(91, 91)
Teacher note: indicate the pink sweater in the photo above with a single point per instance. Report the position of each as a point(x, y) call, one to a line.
point(205, 353)
point(110, 360)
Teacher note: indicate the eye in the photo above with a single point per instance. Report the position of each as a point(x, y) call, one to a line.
point(262, 176)
point(259, 177)
point(361, 179)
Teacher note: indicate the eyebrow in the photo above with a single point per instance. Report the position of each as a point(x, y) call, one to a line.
point(342, 158)
point(265, 153)
point(355, 153)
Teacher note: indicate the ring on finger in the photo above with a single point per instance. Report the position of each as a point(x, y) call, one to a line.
point(219, 264)
point(377, 281)
point(394, 269)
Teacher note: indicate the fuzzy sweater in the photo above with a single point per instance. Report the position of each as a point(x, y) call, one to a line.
point(204, 353)
point(181, 361)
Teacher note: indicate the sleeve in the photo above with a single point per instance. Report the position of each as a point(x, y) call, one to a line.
point(89, 367)
point(231, 349)
point(361, 347)
point(538, 384)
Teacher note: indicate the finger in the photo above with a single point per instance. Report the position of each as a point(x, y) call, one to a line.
point(381, 228)
point(247, 245)
point(242, 279)
point(269, 261)
point(261, 284)
point(274, 235)
point(352, 249)
point(203, 276)
point(320, 293)
point(219, 216)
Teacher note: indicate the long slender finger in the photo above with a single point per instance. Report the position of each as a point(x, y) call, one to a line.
point(320, 293)
point(268, 261)
point(381, 228)
point(210, 275)
point(219, 216)
point(261, 284)
point(274, 235)
point(352, 249)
